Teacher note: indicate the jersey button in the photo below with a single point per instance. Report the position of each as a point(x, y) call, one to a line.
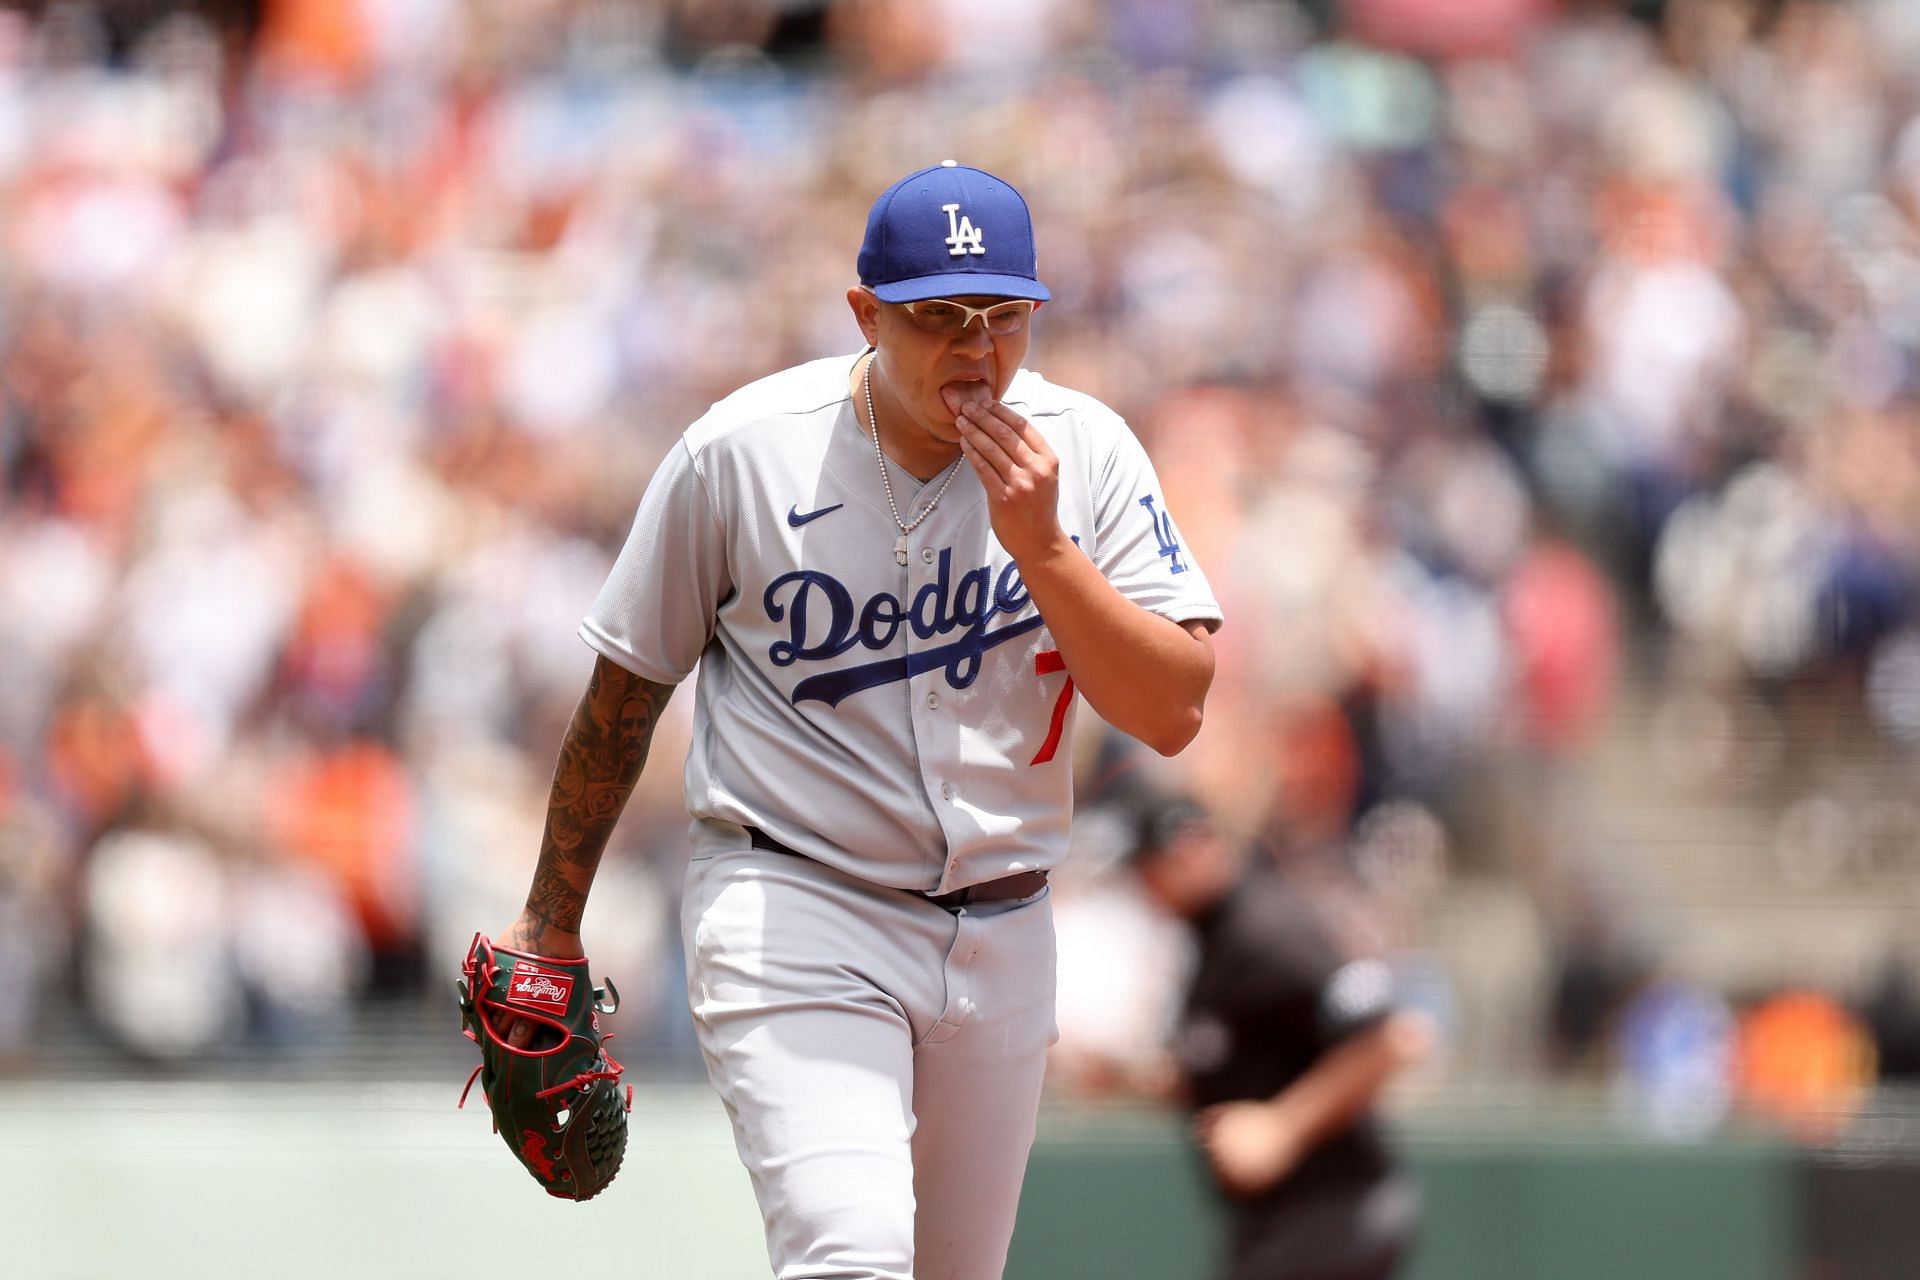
point(933, 700)
point(926, 553)
point(946, 791)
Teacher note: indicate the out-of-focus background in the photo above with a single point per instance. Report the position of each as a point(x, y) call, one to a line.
point(1536, 382)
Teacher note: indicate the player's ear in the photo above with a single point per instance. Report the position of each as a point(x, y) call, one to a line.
point(866, 313)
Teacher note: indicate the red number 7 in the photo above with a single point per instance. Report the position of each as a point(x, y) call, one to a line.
point(1046, 662)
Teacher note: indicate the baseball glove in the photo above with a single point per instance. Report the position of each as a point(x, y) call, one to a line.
point(556, 1100)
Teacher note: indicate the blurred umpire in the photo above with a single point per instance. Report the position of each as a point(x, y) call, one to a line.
point(1284, 1044)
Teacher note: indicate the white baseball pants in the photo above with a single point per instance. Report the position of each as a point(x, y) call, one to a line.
point(880, 1057)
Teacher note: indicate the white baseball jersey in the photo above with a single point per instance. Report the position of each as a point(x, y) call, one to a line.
point(904, 724)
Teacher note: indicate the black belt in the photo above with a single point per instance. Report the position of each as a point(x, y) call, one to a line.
point(1023, 884)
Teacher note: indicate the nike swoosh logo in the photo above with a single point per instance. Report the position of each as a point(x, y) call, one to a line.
point(795, 519)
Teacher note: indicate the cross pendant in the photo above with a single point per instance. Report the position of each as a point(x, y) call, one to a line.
point(900, 549)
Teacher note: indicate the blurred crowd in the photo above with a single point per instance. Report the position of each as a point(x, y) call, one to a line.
point(1509, 366)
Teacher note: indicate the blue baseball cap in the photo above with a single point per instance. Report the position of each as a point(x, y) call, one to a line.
point(950, 231)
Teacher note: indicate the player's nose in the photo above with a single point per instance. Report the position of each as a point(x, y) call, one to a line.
point(974, 338)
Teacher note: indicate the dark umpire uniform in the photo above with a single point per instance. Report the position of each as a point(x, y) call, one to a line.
point(1286, 1043)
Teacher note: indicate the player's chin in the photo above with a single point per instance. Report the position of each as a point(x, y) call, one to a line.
point(944, 425)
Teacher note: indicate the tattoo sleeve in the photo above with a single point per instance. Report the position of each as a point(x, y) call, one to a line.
point(601, 754)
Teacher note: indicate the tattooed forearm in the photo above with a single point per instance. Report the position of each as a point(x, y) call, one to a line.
point(600, 760)
point(553, 902)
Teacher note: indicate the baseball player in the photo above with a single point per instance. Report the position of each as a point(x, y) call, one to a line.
point(894, 570)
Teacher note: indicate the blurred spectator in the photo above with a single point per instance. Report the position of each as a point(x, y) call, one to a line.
point(1804, 1061)
point(1674, 1055)
point(1893, 1018)
point(299, 955)
point(348, 812)
point(34, 930)
point(1595, 977)
point(1560, 623)
point(156, 962)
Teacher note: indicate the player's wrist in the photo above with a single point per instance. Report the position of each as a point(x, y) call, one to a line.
point(530, 934)
point(1046, 554)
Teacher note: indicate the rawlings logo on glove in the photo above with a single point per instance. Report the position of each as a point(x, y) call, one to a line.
point(536, 990)
point(556, 1100)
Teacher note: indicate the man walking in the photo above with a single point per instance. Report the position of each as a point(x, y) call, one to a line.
point(894, 570)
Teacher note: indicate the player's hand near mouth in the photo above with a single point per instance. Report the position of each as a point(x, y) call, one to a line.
point(1016, 468)
point(1100, 634)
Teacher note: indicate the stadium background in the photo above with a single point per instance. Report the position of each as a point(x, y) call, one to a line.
point(1536, 380)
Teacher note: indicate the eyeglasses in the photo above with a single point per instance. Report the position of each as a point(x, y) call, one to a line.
point(950, 319)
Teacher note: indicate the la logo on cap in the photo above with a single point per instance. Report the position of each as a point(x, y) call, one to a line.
point(963, 237)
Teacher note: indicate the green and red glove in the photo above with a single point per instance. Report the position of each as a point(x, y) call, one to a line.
point(557, 1099)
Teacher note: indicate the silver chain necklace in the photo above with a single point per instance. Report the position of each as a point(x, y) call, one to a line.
point(900, 544)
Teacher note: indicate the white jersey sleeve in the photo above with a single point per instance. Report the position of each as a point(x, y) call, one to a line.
point(656, 613)
point(1136, 544)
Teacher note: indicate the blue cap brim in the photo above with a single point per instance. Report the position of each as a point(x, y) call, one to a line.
point(961, 284)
